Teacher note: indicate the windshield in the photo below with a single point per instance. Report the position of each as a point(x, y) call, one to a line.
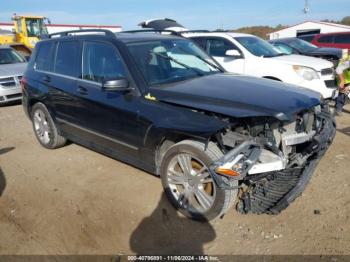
point(9, 56)
point(35, 27)
point(171, 60)
point(302, 45)
point(258, 47)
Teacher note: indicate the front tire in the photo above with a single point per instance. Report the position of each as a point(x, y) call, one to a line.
point(45, 129)
point(188, 183)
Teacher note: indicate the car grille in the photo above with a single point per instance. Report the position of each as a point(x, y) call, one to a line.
point(327, 71)
point(14, 96)
point(331, 83)
point(10, 82)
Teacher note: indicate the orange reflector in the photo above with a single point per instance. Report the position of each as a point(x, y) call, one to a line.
point(227, 172)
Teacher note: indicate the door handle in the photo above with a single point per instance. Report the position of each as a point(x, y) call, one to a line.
point(82, 90)
point(47, 78)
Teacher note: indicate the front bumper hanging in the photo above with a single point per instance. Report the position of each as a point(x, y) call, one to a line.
point(273, 192)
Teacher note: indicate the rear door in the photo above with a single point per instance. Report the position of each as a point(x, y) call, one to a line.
point(217, 47)
point(56, 65)
point(63, 80)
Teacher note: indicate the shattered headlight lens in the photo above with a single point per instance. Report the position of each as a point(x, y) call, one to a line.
point(306, 73)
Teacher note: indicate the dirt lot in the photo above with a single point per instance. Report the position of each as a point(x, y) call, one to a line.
point(75, 201)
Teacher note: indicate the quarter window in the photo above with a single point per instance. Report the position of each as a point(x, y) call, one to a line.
point(67, 58)
point(45, 57)
point(101, 62)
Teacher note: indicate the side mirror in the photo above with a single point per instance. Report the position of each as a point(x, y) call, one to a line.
point(120, 84)
point(233, 52)
point(27, 57)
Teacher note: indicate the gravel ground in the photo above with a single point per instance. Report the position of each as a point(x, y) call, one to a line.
point(75, 201)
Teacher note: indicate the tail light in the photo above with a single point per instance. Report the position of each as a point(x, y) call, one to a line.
point(23, 83)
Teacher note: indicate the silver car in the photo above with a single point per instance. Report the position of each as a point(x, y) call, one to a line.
point(12, 66)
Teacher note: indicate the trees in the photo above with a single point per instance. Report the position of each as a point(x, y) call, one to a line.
point(261, 31)
point(345, 20)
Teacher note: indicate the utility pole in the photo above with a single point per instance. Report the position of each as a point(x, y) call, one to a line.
point(306, 9)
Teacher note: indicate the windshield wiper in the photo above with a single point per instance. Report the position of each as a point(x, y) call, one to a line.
point(201, 58)
point(178, 62)
point(269, 56)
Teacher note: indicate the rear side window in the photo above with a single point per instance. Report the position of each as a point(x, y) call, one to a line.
point(101, 62)
point(45, 57)
point(342, 39)
point(68, 58)
point(325, 39)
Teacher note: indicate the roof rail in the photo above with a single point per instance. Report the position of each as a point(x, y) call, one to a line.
point(153, 30)
point(194, 31)
point(66, 33)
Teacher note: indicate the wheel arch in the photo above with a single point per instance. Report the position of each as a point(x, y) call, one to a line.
point(36, 100)
point(160, 135)
point(171, 139)
point(32, 102)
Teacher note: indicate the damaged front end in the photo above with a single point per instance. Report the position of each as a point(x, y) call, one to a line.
point(273, 161)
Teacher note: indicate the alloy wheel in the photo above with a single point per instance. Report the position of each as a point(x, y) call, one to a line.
point(41, 126)
point(191, 183)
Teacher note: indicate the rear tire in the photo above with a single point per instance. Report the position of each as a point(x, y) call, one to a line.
point(45, 129)
point(189, 185)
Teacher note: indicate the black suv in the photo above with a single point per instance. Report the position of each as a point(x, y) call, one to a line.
point(160, 103)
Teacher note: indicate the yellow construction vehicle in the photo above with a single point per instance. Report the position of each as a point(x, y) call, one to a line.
point(26, 33)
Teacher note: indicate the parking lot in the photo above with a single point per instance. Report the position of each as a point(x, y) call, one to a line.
point(75, 201)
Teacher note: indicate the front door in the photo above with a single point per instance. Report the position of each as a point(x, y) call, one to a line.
point(217, 47)
point(108, 118)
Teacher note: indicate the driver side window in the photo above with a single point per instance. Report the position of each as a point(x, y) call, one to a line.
point(101, 62)
point(219, 46)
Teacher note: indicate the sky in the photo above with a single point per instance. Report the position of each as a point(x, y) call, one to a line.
point(193, 14)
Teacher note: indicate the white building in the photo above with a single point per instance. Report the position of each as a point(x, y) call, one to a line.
point(309, 27)
point(54, 28)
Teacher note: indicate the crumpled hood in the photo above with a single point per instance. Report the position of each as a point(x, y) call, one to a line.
point(316, 63)
point(12, 69)
point(238, 96)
